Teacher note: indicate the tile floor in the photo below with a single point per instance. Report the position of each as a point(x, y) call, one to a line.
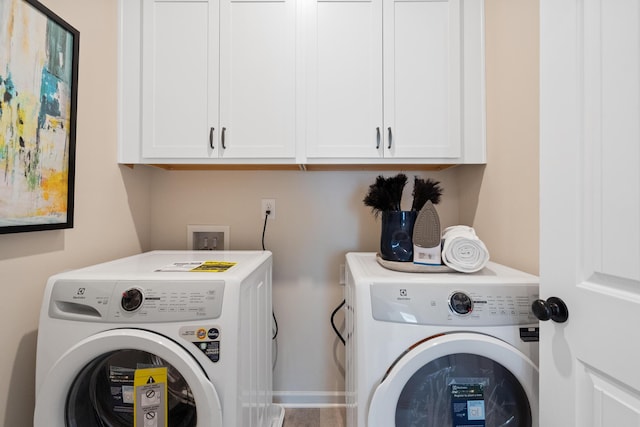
point(315, 417)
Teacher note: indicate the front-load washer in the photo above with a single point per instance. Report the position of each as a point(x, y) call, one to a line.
point(163, 338)
point(440, 349)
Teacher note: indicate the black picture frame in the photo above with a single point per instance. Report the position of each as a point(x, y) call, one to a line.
point(38, 114)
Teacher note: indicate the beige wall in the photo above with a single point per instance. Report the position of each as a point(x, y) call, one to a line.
point(501, 199)
point(111, 210)
point(320, 216)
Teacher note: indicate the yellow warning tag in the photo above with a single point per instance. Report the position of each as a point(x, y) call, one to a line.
point(150, 398)
point(214, 266)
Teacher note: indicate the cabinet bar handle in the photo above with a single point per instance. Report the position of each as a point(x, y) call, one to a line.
point(211, 130)
point(390, 138)
point(377, 137)
point(224, 147)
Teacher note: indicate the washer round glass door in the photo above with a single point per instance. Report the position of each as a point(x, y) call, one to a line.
point(461, 379)
point(91, 385)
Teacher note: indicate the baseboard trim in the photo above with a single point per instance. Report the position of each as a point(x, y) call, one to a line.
point(310, 399)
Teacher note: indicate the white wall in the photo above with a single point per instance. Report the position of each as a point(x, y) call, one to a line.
point(120, 211)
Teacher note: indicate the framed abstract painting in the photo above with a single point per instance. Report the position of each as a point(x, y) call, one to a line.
point(38, 103)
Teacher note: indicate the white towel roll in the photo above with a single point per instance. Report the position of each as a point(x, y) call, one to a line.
point(462, 250)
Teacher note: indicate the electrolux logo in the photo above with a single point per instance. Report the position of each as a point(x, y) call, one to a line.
point(79, 293)
point(404, 295)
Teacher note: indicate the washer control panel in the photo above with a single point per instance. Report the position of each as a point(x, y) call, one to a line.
point(123, 301)
point(439, 304)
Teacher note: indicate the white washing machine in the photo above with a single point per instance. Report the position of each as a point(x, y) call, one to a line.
point(193, 326)
point(440, 349)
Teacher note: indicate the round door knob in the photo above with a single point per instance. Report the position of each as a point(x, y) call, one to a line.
point(553, 308)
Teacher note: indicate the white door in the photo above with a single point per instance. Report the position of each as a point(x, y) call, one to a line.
point(180, 78)
point(590, 211)
point(422, 78)
point(257, 78)
point(344, 79)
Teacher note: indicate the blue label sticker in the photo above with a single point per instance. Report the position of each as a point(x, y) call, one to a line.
point(467, 405)
point(475, 410)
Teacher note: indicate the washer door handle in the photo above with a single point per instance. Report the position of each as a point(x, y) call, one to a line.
point(552, 309)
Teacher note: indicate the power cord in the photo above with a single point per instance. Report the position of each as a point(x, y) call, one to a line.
point(333, 323)
point(275, 323)
point(264, 228)
point(264, 231)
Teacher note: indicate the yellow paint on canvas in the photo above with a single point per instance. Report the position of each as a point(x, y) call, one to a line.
point(54, 191)
point(19, 120)
point(27, 124)
point(54, 122)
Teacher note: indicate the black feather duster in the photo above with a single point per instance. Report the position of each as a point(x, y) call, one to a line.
point(424, 190)
point(386, 194)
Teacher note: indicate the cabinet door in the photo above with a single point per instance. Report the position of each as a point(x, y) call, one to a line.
point(344, 86)
point(179, 78)
point(257, 78)
point(422, 72)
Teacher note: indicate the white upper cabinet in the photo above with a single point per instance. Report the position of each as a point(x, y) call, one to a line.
point(301, 82)
point(422, 78)
point(180, 79)
point(257, 79)
point(398, 80)
point(344, 75)
point(217, 80)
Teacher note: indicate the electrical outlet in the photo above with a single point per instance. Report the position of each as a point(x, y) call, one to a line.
point(268, 205)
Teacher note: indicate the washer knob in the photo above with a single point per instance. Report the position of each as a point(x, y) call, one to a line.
point(132, 299)
point(461, 303)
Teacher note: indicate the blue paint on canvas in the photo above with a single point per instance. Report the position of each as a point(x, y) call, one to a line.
point(49, 104)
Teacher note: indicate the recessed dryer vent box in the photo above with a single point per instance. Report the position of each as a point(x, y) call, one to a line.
point(208, 237)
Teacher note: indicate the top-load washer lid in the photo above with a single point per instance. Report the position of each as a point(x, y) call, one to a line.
point(91, 385)
point(458, 379)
